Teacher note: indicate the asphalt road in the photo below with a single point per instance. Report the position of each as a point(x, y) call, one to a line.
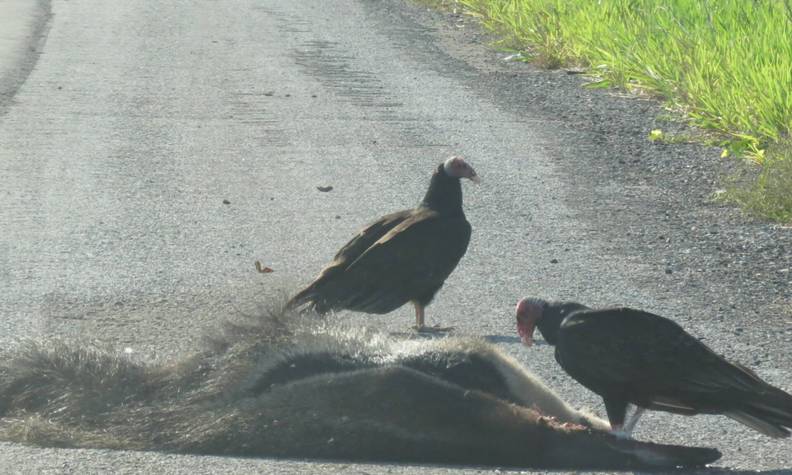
point(151, 151)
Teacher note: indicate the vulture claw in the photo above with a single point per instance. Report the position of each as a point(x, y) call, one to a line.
point(621, 434)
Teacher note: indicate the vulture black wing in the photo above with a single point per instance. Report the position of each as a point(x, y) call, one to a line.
point(346, 255)
point(648, 360)
point(368, 236)
point(410, 262)
point(595, 349)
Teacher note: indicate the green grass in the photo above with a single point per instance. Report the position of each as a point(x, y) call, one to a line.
point(726, 64)
point(768, 193)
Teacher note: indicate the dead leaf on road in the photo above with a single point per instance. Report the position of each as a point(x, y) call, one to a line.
point(262, 269)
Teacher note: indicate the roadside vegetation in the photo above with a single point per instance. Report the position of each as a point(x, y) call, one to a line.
point(724, 64)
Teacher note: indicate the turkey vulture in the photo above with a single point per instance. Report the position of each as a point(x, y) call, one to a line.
point(629, 356)
point(402, 257)
point(282, 385)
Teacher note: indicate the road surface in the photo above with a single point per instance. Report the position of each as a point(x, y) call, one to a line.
point(151, 152)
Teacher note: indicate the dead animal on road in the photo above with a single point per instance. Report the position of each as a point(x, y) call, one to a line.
point(286, 385)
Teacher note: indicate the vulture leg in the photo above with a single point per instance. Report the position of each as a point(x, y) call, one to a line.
point(617, 412)
point(419, 321)
point(629, 426)
point(419, 316)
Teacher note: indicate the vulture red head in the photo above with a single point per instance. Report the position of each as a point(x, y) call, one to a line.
point(457, 167)
point(529, 311)
point(533, 313)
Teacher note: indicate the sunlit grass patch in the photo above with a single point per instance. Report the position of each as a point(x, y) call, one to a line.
point(769, 193)
point(726, 64)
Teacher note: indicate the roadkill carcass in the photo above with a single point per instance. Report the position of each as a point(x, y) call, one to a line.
point(287, 385)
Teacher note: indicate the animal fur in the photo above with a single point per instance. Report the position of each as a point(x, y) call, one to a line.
point(283, 385)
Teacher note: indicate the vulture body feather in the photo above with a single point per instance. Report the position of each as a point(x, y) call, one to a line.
point(402, 257)
point(630, 356)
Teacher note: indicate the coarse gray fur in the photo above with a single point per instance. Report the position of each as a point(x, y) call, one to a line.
point(288, 385)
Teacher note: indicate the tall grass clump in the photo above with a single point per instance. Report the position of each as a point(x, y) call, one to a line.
point(726, 64)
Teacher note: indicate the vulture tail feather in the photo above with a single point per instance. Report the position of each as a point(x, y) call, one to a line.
point(302, 297)
point(758, 424)
point(308, 295)
point(769, 411)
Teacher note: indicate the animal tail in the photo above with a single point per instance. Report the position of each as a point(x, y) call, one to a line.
point(595, 449)
point(659, 455)
point(767, 410)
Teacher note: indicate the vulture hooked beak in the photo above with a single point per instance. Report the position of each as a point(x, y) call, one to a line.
point(458, 167)
point(527, 314)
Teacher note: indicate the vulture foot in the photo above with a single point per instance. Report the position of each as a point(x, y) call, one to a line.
point(629, 426)
point(620, 433)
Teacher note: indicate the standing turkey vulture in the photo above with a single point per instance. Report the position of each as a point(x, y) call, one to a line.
point(629, 356)
point(402, 257)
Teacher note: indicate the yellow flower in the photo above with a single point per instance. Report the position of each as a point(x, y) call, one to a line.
point(656, 135)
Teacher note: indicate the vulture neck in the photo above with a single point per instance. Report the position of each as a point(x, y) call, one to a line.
point(552, 317)
point(444, 194)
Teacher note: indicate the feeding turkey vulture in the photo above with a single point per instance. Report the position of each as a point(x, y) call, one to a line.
point(629, 356)
point(402, 257)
